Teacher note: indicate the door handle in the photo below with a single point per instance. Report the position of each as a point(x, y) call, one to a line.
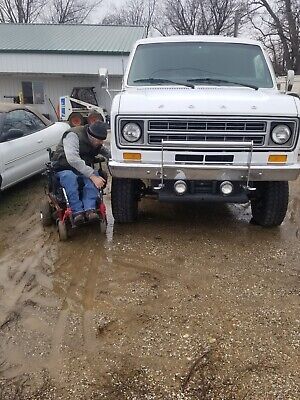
point(40, 141)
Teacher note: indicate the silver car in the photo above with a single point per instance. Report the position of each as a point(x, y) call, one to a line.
point(25, 136)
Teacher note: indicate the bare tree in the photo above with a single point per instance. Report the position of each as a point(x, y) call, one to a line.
point(58, 11)
point(135, 12)
point(278, 26)
point(20, 11)
point(70, 11)
point(200, 17)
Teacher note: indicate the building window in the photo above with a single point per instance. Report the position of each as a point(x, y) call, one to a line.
point(33, 92)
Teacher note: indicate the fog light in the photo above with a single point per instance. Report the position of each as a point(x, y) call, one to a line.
point(226, 188)
point(180, 187)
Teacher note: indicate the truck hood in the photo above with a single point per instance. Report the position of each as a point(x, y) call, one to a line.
point(206, 101)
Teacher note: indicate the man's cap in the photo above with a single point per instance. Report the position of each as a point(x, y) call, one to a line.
point(98, 130)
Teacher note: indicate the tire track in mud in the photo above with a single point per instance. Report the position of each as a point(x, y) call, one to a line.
point(17, 289)
point(28, 275)
point(82, 265)
point(78, 299)
point(55, 359)
point(89, 330)
point(24, 274)
point(23, 269)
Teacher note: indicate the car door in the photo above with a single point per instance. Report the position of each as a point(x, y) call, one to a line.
point(21, 155)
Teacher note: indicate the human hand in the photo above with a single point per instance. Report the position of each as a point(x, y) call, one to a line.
point(98, 181)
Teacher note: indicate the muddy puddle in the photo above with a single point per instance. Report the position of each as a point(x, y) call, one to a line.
point(191, 302)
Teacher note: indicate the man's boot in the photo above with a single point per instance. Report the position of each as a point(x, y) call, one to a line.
point(92, 216)
point(79, 219)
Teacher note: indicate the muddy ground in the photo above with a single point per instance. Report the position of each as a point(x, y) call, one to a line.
point(188, 303)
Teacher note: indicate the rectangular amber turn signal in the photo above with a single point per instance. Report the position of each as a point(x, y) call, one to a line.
point(132, 156)
point(277, 158)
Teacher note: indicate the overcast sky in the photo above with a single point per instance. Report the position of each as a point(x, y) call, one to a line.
point(105, 7)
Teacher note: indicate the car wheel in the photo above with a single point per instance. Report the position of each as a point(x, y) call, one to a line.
point(270, 205)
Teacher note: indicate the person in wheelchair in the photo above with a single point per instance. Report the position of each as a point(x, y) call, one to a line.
point(74, 158)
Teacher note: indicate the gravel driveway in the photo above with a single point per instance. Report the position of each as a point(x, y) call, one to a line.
point(188, 303)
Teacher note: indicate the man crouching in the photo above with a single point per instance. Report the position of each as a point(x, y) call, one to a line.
point(74, 158)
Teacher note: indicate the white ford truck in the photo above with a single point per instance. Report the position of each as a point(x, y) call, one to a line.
point(200, 118)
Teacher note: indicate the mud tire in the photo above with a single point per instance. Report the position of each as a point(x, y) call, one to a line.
point(124, 199)
point(62, 231)
point(46, 214)
point(93, 118)
point(270, 206)
point(76, 119)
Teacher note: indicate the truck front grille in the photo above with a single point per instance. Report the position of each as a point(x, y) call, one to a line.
point(206, 126)
point(156, 138)
point(207, 130)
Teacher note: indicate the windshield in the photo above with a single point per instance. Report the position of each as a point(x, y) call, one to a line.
point(201, 63)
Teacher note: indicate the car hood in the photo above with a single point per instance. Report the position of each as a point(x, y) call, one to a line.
point(206, 101)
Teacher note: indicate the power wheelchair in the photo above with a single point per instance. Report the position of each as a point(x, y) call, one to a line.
point(56, 207)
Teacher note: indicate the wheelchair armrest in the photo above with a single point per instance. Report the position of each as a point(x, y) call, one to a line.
point(50, 152)
point(51, 166)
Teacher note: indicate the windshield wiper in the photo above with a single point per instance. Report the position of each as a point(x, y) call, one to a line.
point(212, 80)
point(162, 80)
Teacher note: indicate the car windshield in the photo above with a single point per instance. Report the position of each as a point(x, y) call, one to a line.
point(200, 63)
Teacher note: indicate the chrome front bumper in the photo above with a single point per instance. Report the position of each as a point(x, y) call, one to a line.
point(199, 171)
point(205, 172)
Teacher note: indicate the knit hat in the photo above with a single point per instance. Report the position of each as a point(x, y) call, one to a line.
point(98, 130)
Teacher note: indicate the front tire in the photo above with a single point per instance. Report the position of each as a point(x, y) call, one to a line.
point(103, 225)
point(46, 214)
point(124, 199)
point(62, 231)
point(270, 205)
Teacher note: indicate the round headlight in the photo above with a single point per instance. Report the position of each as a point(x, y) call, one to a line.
point(281, 134)
point(131, 132)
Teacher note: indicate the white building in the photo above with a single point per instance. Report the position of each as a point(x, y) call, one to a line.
point(296, 86)
point(43, 62)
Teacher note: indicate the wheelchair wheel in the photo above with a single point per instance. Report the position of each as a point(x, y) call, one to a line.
point(62, 231)
point(103, 225)
point(46, 213)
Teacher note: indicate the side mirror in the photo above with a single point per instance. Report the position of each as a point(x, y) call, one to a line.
point(13, 133)
point(103, 75)
point(289, 80)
